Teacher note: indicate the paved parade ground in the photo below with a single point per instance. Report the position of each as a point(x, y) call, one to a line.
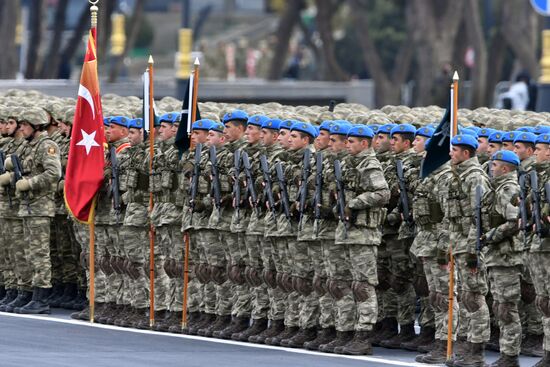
point(58, 341)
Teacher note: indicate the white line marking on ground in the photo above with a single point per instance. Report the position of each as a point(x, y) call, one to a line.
point(212, 340)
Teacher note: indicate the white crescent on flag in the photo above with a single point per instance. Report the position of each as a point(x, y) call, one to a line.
point(85, 93)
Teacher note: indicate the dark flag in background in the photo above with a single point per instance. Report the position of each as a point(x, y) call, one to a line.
point(437, 150)
point(183, 142)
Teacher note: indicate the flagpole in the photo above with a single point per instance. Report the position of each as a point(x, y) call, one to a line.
point(151, 203)
point(454, 131)
point(193, 113)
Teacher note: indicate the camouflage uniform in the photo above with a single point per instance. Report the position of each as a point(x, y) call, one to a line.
point(503, 258)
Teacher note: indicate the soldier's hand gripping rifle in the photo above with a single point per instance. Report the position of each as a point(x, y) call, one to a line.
point(302, 194)
point(523, 205)
point(479, 223)
point(216, 188)
point(403, 196)
point(268, 189)
point(535, 202)
point(2, 171)
point(17, 175)
point(341, 197)
point(317, 198)
point(236, 184)
point(194, 188)
point(284, 192)
point(115, 183)
point(250, 182)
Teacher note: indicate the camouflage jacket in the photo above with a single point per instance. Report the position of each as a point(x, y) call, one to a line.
point(42, 167)
point(136, 185)
point(525, 167)
point(387, 160)
point(274, 154)
point(366, 195)
point(256, 215)
point(63, 142)
point(542, 244)
point(329, 221)
point(465, 177)
point(502, 248)
point(428, 205)
point(201, 213)
point(11, 146)
point(306, 225)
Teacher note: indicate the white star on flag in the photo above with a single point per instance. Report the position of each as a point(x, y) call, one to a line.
point(88, 141)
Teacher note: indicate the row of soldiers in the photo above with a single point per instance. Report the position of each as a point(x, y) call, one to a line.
point(301, 235)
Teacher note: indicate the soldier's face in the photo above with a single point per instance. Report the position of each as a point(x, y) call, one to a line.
point(11, 126)
point(322, 140)
point(398, 144)
point(493, 148)
point(542, 153)
point(499, 168)
point(232, 131)
point(284, 134)
point(458, 155)
point(356, 145)
point(297, 141)
point(199, 137)
point(215, 139)
point(166, 131)
point(337, 143)
point(382, 143)
point(117, 132)
point(3, 127)
point(523, 151)
point(419, 144)
point(483, 145)
point(508, 145)
point(269, 137)
point(135, 136)
point(26, 129)
point(64, 129)
point(252, 134)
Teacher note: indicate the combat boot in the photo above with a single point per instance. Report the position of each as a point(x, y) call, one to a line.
point(118, 311)
point(387, 330)
point(174, 319)
point(56, 294)
point(83, 315)
point(2, 292)
point(80, 302)
point(38, 303)
point(493, 343)
point(437, 355)
point(298, 340)
point(532, 345)
point(287, 333)
point(69, 295)
point(103, 313)
point(258, 325)
point(11, 294)
point(145, 323)
point(406, 334)
point(506, 361)
point(23, 297)
point(275, 328)
point(474, 358)
point(141, 315)
point(238, 324)
point(164, 324)
point(358, 346)
point(425, 340)
point(220, 323)
point(122, 319)
point(206, 320)
point(342, 338)
point(545, 361)
point(324, 336)
point(192, 319)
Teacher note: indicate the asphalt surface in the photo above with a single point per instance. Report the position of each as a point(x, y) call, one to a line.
point(56, 340)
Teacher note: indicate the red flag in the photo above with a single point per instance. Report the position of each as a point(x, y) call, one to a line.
point(84, 174)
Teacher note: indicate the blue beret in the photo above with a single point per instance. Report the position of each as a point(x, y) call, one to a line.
point(286, 124)
point(425, 131)
point(304, 127)
point(467, 140)
point(119, 120)
point(496, 137)
point(543, 139)
point(325, 125)
point(360, 131)
point(135, 123)
point(527, 129)
point(203, 124)
point(525, 137)
point(542, 129)
point(510, 136)
point(403, 129)
point(235, 115)
point(340, 122)
point(468, 132)
point(170, 117)
point(386, 129)
point(485, 132)
point(340, 129)
point(506, 156)
point(272, 124)
point(106, 121)
point(473, 128)
point(317, 130)
point(374, 127)
point(217, 127)
point(257, 120)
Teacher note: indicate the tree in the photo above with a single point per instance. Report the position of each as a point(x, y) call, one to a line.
point(325, 11)
point(472, 20)
point(8, 23)
point(36, 14)
point(51, 61)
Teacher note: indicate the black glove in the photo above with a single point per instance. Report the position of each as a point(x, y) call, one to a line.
point(471, 261)
point(442, 257)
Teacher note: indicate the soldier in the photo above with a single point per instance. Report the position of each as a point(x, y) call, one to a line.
point(503, 255)
point(483, 141)
point(471, 270)
point(41, 171)
point(495, 144)
point(508, 140)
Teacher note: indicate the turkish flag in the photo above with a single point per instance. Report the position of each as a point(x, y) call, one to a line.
point(84, 174)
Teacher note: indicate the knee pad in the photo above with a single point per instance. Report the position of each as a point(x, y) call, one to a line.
point(506, 312)
point(270, 278)
point(236, 274)
point(543, 305)
point(218, 274)
point(338, 288)
point(319, 285)
point(472, 301)
point(252, 276)
point(361, 290)
point(284, 281)
point(303, 286)
point(494, 307)
point(528, 293)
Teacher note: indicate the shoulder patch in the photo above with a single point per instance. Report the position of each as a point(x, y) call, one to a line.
point(52, 150)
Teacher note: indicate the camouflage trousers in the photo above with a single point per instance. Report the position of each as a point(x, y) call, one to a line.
point(162, 287)
point(277, 298)
point(530, 315)
point(401, 268)
point(63, 251)
point(539, 265)
point(288, 245)
point(426, 318)
point(82, 237)
point(135, 243)
point(387, 299)
point(322, 304)
point(110, 247)
point(473, 288)
point(22, 268)
point(338, 262)
point(36, 232)
point(7, 255)
point(236, 253)
point(505, 288)
point(260, 303)
point(438, 285)
point(364, 271)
